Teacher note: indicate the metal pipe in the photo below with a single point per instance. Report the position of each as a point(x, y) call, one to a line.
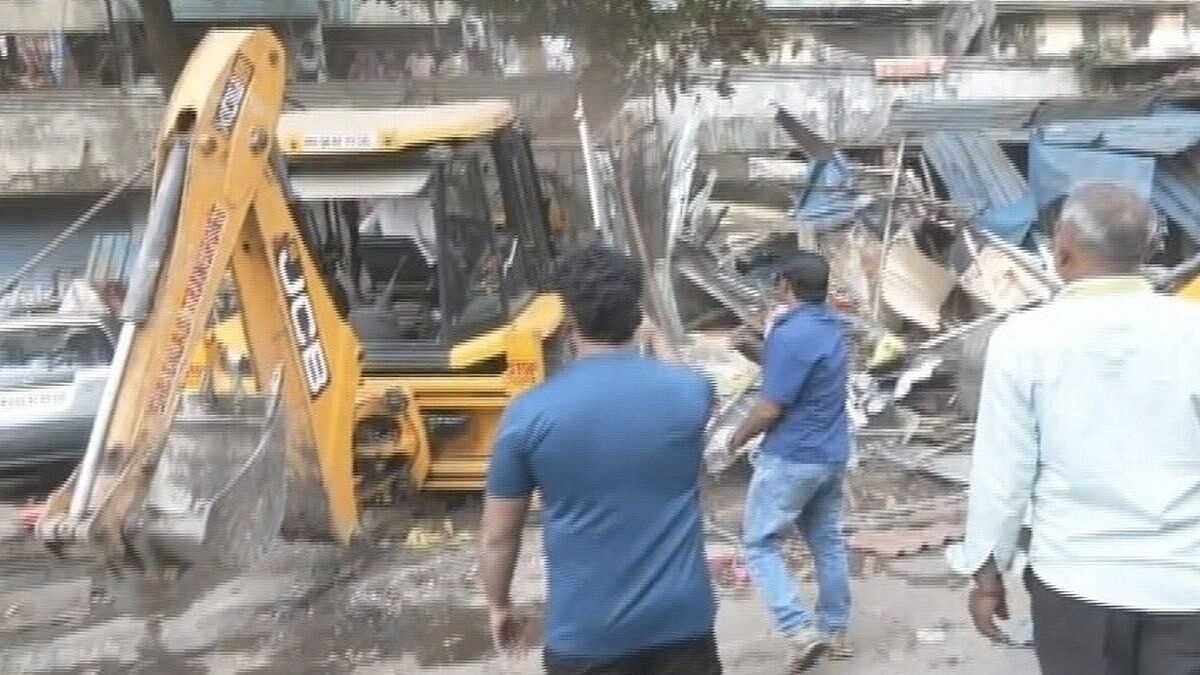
point(651, 289)
point(1047, 277)
point(1180, 275)
point(160, 228)
point(599, 222)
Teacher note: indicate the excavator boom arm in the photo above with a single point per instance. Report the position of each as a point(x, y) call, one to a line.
point(232, 216)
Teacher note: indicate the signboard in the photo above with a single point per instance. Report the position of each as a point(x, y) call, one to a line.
point(335, 142)
point(910, 68)
point(522, 373)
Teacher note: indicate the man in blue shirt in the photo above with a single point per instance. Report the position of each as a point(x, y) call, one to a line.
point(614, 444)
point(800, 470)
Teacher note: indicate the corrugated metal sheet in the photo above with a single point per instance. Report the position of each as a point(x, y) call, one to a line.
point(961, 115)
point(1055, 168)
point(1017, 114)
point(1166, 134)
point(1177, 191)
point(1001, 5)
point(210, 10)
point(218, 10)
point(112, 256)
point(974, 169)
point(1054, 110)
point(26, 225)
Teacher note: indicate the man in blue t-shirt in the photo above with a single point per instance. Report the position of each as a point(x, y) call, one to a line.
point(801, 468)
point(614, 444)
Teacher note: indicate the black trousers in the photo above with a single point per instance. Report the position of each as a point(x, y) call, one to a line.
point(696, 656)
point(1075, 637)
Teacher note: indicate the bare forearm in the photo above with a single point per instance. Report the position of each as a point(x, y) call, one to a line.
point(761, 418)
point(503, 520)
point(749, 343)
point(498, 564)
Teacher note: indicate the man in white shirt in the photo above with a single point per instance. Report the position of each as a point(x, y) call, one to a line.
point(1090, 417)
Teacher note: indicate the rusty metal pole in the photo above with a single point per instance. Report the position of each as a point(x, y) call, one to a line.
point(885, 244)
point(654, 300)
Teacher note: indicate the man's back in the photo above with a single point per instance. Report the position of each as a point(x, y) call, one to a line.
point(614, 443)
point(1113, 385)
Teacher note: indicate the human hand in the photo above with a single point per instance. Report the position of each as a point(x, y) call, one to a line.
point(509, 628)
point(986, 602)
point(716, 447)
point(656, 343)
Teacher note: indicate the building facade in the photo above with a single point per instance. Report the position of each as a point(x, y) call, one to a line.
point(80, 107)
point(79, 104)
point(845, 66)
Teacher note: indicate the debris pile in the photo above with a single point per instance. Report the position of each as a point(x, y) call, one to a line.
point(929, 247)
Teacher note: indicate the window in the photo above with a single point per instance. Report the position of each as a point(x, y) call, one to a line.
point(469, 263)
point(1141, 25)
point(55, 347)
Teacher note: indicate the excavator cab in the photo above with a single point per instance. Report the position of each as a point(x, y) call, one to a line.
point(431, 232)
point(429, 222)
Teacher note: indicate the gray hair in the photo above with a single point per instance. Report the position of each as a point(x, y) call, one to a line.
point(1112, 222)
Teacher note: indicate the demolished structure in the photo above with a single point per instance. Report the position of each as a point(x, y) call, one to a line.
point(929, 248)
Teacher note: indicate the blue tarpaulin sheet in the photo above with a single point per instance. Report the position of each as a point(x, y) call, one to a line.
point(1011, 222)
point(828, 202)
point(1064, 156)
point(1053, 171)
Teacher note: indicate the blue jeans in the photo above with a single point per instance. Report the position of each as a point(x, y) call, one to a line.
point(785, 495)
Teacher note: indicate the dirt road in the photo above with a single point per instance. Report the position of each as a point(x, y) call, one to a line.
point(408, 601)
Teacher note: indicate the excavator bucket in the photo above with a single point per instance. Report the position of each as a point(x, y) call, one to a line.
point(219, 491)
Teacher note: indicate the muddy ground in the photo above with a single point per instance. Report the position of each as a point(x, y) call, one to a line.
point(407, 600)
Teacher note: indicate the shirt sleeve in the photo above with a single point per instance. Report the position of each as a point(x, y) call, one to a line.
point(1004, 459)
point(784, 371)
point(510, 473)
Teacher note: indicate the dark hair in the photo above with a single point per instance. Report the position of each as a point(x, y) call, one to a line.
point(602, 291)
point(808, 275)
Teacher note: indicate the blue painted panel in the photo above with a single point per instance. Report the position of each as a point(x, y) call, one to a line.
point(1177, 192)
point(1163, 134)
point(1055, 170)
point(233, 10)
point(828, 202)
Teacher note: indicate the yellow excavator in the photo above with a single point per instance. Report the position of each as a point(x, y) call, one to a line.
point(390, 272)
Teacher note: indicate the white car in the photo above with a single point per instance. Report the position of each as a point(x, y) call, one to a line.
point(53, 370)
